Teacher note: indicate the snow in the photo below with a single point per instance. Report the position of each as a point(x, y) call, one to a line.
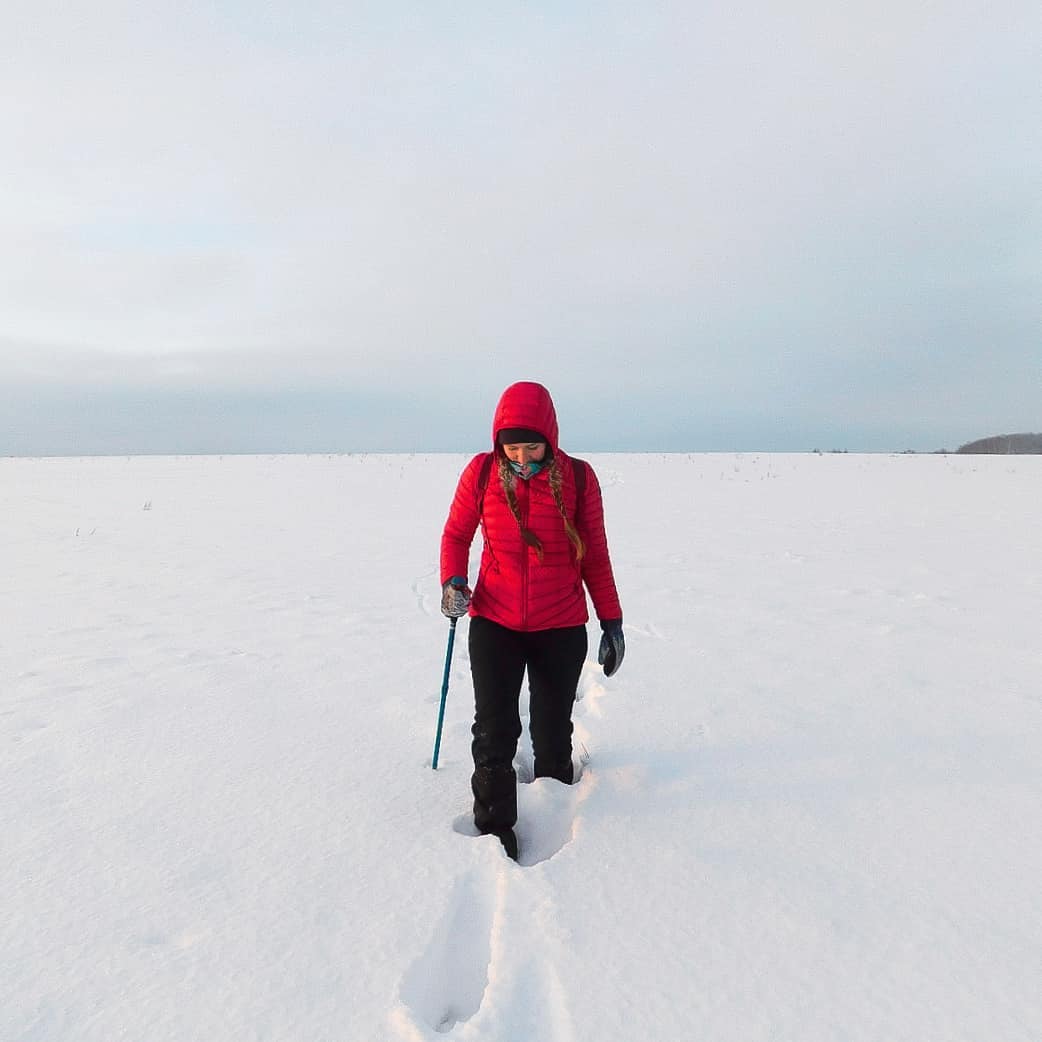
point(811, 809)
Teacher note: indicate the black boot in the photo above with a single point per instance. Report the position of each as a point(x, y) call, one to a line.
point(495, 797)
point(495, 804)
point(562, 770)
point(509, 841)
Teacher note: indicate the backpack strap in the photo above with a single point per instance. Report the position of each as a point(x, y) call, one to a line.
point(579, 468)
point(483, 475)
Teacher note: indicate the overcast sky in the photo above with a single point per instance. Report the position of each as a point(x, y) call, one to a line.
point(333, 226)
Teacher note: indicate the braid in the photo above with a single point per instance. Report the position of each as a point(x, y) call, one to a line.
point(506, 478)
point(555, 488)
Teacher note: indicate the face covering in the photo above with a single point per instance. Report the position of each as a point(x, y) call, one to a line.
point(526, 470)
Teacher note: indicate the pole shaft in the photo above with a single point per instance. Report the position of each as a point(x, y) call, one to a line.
point(444, 692)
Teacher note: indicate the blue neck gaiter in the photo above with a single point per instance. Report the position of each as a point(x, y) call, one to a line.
point(526, 470)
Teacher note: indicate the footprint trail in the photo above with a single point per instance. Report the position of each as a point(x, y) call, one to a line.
point(495, 965)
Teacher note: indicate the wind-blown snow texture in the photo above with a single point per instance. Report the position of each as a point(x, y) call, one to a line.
point(811, 812)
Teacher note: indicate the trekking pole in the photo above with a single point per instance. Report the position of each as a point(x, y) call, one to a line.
point(444, 692)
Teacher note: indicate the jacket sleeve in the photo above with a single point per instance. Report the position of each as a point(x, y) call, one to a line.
point(462, 523)
point(596, 564)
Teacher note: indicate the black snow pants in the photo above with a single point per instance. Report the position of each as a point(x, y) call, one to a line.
point(498, 660)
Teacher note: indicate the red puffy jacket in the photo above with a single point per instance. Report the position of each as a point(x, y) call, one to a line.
point(514, 587)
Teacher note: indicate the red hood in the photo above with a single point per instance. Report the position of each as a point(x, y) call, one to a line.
point(526, 405)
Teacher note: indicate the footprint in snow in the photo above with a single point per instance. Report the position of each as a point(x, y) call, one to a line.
point(547, 817)
point(446, 984)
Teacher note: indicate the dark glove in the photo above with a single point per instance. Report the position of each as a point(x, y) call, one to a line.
point(613, 646)
point(455, 598)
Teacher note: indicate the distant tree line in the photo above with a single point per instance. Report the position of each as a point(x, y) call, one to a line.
point(1006, 445)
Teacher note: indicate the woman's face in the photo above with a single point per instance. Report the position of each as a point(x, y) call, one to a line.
point(525, 452)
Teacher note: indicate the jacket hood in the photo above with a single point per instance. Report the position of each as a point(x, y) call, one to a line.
point(526, 405)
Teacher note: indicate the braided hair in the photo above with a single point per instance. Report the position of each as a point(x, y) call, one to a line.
point(508, 479)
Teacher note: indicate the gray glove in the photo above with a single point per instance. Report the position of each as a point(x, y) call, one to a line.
point(455, 598)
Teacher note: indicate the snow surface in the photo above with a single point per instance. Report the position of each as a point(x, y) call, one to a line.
point(811, 811)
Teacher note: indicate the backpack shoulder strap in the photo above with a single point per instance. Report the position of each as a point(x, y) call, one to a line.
point(579, 468)
point(483, 475)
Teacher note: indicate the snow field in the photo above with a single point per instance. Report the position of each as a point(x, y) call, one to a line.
point(810, 813)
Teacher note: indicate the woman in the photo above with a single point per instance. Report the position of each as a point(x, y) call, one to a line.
point(543, 528)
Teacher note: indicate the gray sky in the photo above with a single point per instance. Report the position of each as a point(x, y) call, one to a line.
point(238, 227)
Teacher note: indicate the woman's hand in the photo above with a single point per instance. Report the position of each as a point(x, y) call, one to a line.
point(455, 598)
